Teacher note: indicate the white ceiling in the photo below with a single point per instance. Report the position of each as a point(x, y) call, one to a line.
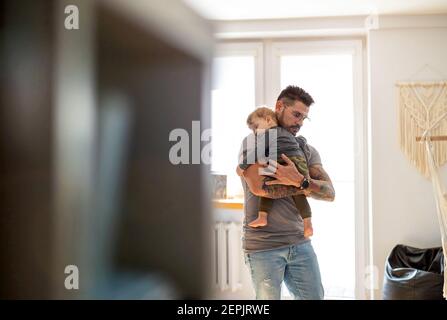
point(277, 9)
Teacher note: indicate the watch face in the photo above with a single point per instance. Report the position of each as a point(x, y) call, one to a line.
point(305, 184)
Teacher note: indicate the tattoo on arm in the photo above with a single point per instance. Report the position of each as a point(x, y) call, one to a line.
point(321, 185)
point(277, 191)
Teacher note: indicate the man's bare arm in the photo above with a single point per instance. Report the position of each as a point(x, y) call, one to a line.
point(288, 181)
point(321, 187)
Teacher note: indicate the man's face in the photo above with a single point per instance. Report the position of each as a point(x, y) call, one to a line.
point(291, 117)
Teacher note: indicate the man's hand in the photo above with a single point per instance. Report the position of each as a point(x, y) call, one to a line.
point(286, 174)
point(320, 188)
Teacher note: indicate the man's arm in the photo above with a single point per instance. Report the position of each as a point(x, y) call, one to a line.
point(255, 182)
point(321, 187)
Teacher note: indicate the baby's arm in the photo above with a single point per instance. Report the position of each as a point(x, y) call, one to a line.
point(301, 164)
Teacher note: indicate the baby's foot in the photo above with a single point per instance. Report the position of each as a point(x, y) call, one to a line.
point(260, 221)
point(308, 230)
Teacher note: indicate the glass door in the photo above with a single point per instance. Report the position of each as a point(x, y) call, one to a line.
point(328, 71)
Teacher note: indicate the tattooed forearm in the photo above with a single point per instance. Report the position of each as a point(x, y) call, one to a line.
point(322, 190)
point(277, 191)
point(321, 185)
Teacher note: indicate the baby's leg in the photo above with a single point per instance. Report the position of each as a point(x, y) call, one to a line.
point(308, 229)
point(301, 165)
point(265, 204)
point(305, 212)
point(301, 201)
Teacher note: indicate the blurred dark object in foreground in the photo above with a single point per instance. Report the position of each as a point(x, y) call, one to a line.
point(414, 274)
point(85, 176)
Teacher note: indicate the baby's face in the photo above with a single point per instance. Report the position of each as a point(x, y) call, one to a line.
point(263, 124)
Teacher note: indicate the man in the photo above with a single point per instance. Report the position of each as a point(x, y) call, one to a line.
point(279, 252)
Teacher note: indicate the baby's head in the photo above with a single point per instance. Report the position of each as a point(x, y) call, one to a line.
point(262, 118)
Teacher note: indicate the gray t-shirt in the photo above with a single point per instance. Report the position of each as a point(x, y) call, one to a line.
point(285, 225)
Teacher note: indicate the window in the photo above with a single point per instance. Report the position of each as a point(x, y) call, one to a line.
point(233, 97)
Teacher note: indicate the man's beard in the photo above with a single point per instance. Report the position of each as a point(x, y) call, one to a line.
point(292, 129)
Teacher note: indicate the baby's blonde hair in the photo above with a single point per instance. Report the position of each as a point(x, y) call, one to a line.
point(260, 113)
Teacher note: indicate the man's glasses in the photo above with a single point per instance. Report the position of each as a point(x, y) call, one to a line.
point(300, 116)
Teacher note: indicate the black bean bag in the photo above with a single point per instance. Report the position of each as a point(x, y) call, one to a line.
point(414, 274)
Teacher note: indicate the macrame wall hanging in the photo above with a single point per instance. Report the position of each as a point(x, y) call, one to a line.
point(423, 117)
point(423, 106)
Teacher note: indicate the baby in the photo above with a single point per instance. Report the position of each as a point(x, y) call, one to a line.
point(261, 121)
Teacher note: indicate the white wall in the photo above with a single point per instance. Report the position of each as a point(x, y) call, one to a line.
point(403, 207)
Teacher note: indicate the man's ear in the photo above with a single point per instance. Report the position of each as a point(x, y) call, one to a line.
point(278, 106)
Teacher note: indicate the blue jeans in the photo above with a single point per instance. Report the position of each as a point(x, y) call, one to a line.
point(296, 265)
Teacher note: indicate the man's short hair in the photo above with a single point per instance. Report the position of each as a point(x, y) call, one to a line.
point(293, 93)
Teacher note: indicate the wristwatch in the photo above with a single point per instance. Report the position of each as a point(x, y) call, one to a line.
point(304, 184)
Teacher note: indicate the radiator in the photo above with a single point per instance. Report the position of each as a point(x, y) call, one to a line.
point(227, 256)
